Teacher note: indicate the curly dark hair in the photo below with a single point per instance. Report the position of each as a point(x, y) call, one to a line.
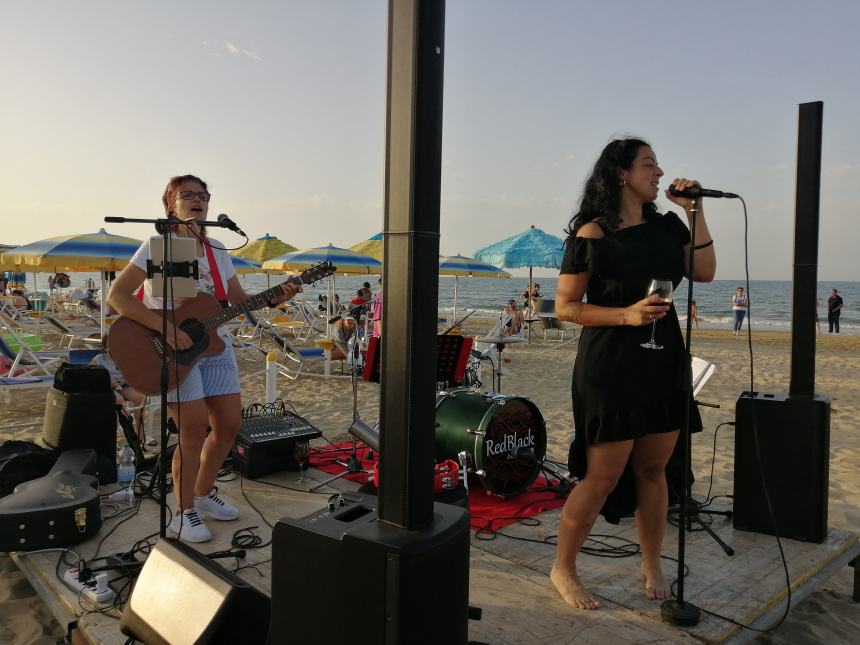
point(601, 196)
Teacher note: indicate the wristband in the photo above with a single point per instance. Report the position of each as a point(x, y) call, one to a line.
point(703, 246)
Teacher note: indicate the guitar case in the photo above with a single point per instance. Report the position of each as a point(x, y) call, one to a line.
point(57, 510)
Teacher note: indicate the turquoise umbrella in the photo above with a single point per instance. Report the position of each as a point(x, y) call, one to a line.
point(531, 248)
point(461, 266)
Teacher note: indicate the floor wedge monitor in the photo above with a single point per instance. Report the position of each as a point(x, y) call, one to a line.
point(182, 597)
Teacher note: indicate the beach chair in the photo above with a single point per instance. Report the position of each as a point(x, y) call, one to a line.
point(293, 357)
point(545, 310)
point(294, 320)
point(86, 336)
point(11, 384)
point(29, 362)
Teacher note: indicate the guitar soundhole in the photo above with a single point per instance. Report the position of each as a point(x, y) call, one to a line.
point(199, 336)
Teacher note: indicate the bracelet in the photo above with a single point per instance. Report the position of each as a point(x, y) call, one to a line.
point(703, 246)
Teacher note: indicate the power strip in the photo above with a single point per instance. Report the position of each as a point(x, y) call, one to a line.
point(96, 590)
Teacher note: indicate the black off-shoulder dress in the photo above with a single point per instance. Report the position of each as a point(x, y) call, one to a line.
point(621, 390)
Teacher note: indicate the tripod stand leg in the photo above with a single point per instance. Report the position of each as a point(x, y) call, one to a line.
point(726, 548)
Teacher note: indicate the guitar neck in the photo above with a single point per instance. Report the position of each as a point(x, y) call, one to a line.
point(262, 299)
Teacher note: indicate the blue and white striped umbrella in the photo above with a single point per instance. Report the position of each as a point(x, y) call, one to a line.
point(244, 265)
point(346, 261)
point(461, 266)
point(101, 251)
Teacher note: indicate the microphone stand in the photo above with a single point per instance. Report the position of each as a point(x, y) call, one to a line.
point(677, 610)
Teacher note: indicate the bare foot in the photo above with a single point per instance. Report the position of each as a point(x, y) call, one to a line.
point(572, 591)
point(656, 586)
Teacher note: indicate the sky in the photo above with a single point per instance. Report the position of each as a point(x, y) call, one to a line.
point(280, 106)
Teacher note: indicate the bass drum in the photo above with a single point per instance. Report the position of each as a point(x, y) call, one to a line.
point(503, 436)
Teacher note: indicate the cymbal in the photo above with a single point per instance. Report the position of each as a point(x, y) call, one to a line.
point(500, 340)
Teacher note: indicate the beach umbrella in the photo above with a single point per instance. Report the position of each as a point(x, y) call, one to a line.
point(461, 266)
point(264, 248)
point(347, 262)
point(531, 248)
point(101, 251)
point(243, 265)
point(372, 246)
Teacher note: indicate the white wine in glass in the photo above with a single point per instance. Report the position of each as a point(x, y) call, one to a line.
point(664, 289)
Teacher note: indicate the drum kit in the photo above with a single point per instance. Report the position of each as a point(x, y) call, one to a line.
point(499, 439)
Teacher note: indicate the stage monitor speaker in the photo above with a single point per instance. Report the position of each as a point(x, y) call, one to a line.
point(83, 420)
point(364, 580)
point(794, 442)
point(182, 597)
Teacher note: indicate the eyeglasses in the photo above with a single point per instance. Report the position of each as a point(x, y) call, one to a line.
point(202, 195)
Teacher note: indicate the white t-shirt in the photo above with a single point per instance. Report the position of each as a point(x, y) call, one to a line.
point(205, 283)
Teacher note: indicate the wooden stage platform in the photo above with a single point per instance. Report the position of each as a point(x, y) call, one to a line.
point(509, 578)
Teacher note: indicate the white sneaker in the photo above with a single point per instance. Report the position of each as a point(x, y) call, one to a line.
point(189, 527)
point(213, 506)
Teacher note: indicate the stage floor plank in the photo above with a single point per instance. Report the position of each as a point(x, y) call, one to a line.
point(509, 578)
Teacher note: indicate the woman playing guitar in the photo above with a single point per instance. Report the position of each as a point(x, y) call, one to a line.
point(209, 395)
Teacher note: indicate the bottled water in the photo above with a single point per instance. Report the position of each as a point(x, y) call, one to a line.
point(125, 469)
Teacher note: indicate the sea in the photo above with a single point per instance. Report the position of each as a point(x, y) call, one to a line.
point(770, 300)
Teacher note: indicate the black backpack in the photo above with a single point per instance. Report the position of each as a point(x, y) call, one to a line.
point(78, 379)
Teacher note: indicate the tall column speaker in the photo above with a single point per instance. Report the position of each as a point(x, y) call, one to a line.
point(794, 443)
point(344, 576)
point(181, 597)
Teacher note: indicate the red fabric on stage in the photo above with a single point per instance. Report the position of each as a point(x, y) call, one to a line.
point(489, 512)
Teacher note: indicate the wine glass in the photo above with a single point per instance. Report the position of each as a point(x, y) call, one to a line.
point(663, 288)
point(301, 452)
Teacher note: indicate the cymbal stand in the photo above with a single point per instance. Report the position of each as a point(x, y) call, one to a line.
point(353, 463)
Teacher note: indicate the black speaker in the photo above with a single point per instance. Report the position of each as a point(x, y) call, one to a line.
point(182, 597)
point(83, 420)
point(343, 576)
point(794, 442)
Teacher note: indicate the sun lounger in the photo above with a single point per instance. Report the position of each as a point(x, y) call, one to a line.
point(87, 336)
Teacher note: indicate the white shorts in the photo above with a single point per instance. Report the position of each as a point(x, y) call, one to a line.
point(211, 376)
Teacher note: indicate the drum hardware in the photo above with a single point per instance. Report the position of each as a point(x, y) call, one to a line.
point(463, 458)
point(479, 433)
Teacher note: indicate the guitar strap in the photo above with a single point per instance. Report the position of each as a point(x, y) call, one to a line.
point(220, 293)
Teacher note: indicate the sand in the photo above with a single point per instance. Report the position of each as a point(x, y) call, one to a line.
point(541, 370)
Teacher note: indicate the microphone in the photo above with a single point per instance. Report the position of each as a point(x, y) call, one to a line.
point(355, 312)
point(696, 191)
point(225, 221)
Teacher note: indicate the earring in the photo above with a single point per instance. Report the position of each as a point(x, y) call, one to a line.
point(623, 183)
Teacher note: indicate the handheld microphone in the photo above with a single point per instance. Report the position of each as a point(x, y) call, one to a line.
point(225, 221)
point(696, 191)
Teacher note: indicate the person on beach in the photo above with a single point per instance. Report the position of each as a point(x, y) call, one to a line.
point(834, 309)
point(740, 302)
point(209, 395)
point(342, 331)
point(535, 294)
point(376, 311)
point(628, 404)
point(366, 293)
point(20, 300)
point(122, 390)
point(694, 314)
point(514, 322)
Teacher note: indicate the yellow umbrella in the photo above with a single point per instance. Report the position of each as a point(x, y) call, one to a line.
point(372, 247)
point(264, 248)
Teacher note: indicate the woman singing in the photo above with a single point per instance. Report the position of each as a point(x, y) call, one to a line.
point(627, 403)
point(209, 395)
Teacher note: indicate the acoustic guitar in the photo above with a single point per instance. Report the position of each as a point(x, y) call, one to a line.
point(137, 350)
